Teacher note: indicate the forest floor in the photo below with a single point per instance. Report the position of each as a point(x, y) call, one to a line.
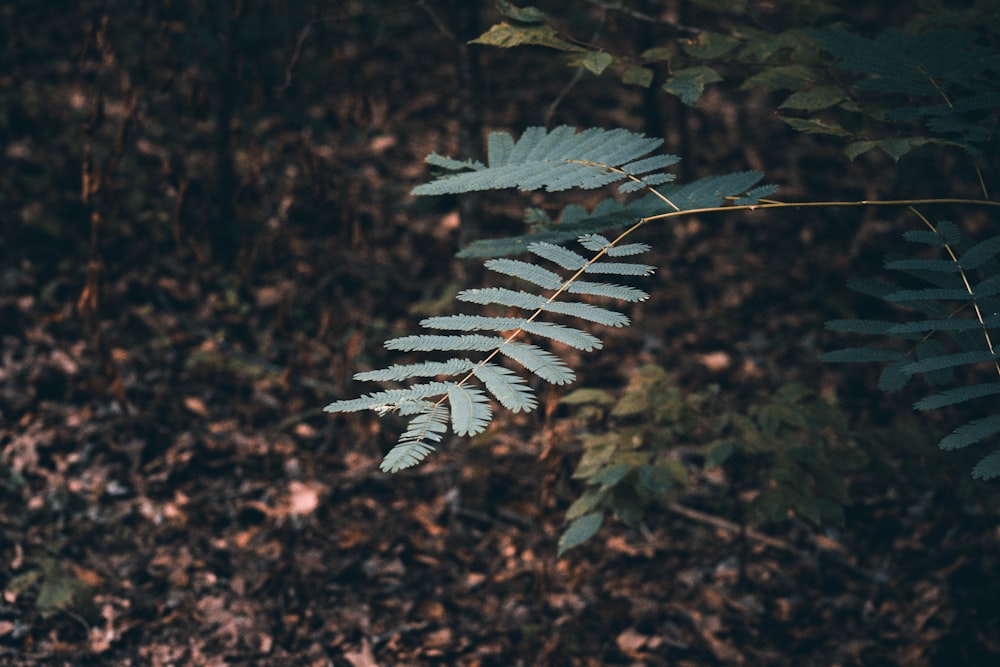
point(171, 492)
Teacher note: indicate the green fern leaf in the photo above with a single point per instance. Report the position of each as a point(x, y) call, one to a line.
point(453, 165)
point(925, 236)
point(712, 191)
point(941, 265)
point(988, 468)
point(942, 325)
point(473, 323)
point(390, 398)
point(526, 271)
point(502, 297)
point(754, 195)
point(707, 192)
point(860, 326)
point(971, 433)
point(620, 292)
point(564, 257)
point(987, 288)
point(648, 164)
point(507, 387)
point(980, 253)
point(958, 395)
point(558, 160)
point(398, 372)
point(929, 294)
point(558, 332)
point(860, 355)
point(574, 221)
point(946, 233)
point(412, 447)
point(571, 336)
point(948, 361)
point(585, 311)
point(425, 343)
point(620, 268)
point(892, 378)
point(470, 410)
point(651, 180)
point(596, 243)
point(905, 63)
point(542, 363)
point(505, 297)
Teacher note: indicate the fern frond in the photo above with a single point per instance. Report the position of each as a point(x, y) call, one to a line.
point(558, 332)
point(621, 292)
point(861, 355)
point(620, 268)
point(596, 242)
point(585, 311)
point(426, 343)
point(473, 323)
point(940, 265)
point(953, 324)
point(892, 378)
point(929, 237)
point(526, 271)
point(470, 410)
point(413, 447)
point(980, 253)
point(753, 196)
point(450, 164)
point(948, 361)
point(507, 387)
point(971, 433)
point(712, 191)
point(390, 398)
point(988, 468)
point(398, 372)
point(860, 326)
point(531, 162)
point(505, 297)
point(929, 294)
point(558, 160)
point(987, 288)
point(542, 363)
point(905, 63)
point(557, 254)
point(708, 192)
point(571, 336)
point(958, 395)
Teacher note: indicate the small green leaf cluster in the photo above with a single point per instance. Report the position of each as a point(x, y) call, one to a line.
point(641, 449)
point(932, 83)
point(630, 466)
point(802, 452)
point(958, 299)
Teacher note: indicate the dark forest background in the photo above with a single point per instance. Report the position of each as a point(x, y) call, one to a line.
point(205, 231)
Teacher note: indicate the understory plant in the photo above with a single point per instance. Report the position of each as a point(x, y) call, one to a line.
point(580, 270)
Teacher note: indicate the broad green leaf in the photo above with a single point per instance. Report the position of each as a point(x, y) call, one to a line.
point(594, 62)
point(709, 45)
point(586, 503)
point(637, 76)
point(820, 97)
point(785, 77)
point(581, 530)
point(689, 83)
point(811, 126)
point(520, 14)
point(894, 148)
point(657, 54)
point(505, 36)
point(587, 396)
